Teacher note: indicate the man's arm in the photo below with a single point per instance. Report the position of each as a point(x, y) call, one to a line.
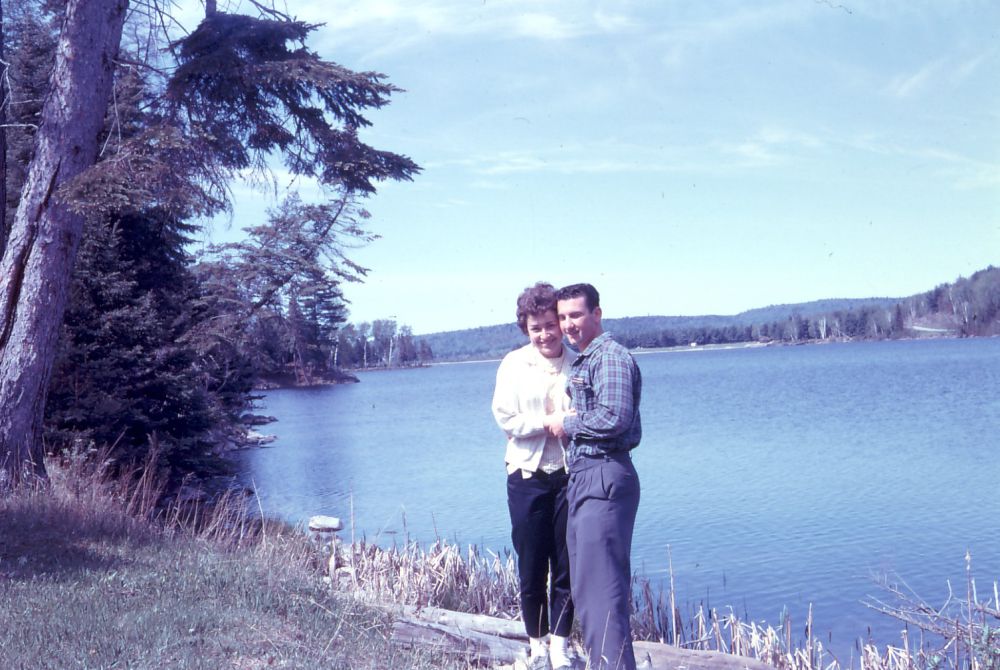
point(612, 409)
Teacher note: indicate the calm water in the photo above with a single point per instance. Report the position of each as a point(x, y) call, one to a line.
point(778, 477)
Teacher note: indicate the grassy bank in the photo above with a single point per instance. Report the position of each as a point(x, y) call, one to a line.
point(93, 575)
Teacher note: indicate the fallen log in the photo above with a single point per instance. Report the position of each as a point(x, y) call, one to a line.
point(668, 657)
point(489, 640)
point(481, 623)
point(476, 647)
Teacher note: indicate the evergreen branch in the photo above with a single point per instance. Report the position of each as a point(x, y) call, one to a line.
point(270, 11)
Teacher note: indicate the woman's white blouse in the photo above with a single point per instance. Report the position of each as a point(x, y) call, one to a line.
point(528, 387)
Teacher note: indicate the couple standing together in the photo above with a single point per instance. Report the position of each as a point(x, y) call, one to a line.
point(571, 419)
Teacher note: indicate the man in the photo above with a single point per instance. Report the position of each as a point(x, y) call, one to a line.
point(603, 492)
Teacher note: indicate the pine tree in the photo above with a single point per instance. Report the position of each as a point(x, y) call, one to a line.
point(170, 146)
point(126, 371)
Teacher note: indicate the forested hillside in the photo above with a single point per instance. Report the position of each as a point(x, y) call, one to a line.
point(966, 307)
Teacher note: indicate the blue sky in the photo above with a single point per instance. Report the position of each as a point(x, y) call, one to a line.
point(684, 157)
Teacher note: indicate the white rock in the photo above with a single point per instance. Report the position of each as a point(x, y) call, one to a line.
point(325, 524)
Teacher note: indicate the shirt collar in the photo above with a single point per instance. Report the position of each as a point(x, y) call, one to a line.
point(594, 343)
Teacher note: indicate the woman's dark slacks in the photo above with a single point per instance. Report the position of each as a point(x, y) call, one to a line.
point(538, 529)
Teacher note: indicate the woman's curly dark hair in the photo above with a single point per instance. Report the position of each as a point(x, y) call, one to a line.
point(535, 300)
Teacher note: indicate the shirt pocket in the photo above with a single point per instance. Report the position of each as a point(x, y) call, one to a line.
point(582, 393)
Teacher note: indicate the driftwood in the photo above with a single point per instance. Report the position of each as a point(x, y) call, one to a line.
point(477, 647)
point(668, 657)
point(512, 630)
point(488, 640)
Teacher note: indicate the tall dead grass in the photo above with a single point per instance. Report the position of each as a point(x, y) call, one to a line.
point(441, 575)
point(104, 572)
point(483, 582)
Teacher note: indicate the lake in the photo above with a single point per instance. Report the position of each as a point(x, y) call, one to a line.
point(779, 477)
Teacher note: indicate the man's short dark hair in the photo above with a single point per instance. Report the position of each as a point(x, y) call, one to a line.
point(535, 301)
point(576, 290)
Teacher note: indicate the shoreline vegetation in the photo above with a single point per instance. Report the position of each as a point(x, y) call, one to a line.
point(103, 572)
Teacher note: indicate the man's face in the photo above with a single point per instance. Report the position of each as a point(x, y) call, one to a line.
point(579, 324)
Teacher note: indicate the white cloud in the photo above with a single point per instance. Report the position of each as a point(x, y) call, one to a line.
point(967, 68)
point(613, 23)
point(371, 14)
point(774, 135)
point(489, 185)
point(411, 23)
point(772, 145)
point(544, 27)
point(682, 36)
point(600, 157)
point(942, 72)
point(753, 153)
point(965, 172)
point(508, 163)
point(906, 85)
point(449, 203)
point(961, 171)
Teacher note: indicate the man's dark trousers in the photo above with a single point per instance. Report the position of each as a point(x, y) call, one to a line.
point(603, 499)
point(537, 506)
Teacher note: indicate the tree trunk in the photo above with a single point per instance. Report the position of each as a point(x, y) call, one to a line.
point(37, 266)
point(4, 102)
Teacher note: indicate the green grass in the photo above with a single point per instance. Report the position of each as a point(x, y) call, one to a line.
point(93, 576)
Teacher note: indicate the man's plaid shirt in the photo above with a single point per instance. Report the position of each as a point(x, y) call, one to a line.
point(604, 388)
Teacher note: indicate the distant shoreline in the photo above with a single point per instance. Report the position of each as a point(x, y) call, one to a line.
point(724, 346)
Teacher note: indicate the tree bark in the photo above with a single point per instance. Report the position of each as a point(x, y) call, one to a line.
point(37, 267)
point(475, 647)
point(4, 102)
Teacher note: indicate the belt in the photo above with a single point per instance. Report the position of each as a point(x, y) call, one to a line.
point(587, 461)
point(542, 473)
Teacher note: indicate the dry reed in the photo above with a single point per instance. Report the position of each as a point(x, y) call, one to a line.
point(438, 576)
point(483, 582)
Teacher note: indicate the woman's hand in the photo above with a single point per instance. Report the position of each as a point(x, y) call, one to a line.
point(554, 423)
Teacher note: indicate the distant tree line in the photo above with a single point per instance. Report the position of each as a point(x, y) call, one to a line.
point(379, 344)
point(158, 345)
point(967, 307)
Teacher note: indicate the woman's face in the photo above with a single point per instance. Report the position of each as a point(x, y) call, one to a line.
point(544, 333)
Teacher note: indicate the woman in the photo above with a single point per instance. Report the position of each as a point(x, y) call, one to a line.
point(530, 396)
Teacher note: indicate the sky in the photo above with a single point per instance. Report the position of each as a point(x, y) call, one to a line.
point(684, 157)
